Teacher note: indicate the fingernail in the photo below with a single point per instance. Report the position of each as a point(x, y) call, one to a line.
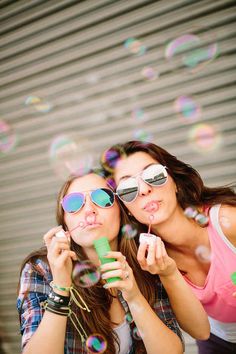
point(103, 276)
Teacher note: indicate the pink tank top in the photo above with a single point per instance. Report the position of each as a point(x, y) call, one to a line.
point(216, 294)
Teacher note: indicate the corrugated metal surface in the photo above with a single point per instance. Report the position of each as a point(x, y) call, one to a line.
point(71, 56)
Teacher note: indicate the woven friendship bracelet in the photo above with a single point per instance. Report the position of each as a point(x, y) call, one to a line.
point(58, 287)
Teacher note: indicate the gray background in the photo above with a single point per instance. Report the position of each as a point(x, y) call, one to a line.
point(71, 56)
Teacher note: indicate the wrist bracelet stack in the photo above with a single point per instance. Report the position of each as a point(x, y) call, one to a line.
point(57, 304)
point(60, 305)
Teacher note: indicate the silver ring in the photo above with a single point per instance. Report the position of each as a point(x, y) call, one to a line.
point(126, 275)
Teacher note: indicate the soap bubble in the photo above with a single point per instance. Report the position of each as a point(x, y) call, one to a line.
point(110, 158)
point(203, 254)
point(192, 51)
point(128, 317)
point(129, 231)
point(149, 73)
point(142, 135)
point(188, 110)
point(8, 138)
point(135, 46)
point(70, 155)
point(85, 274)
point(224, 221)
point(96, 343)
point(39, 104)
point(204, 138)
point(136, 334)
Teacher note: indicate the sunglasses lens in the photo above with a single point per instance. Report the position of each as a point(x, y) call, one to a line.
point(155, 175)
point(103, 197)
point(73, 202)
point(127, 190)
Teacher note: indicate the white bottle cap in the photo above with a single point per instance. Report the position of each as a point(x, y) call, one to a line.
point(147, 238)
point(60, 234)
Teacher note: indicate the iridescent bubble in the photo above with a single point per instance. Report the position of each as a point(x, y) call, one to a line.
point(142, 135)
point(139, 115)
point(203, 254)
point(190, 212)
point(135, 46)
point(193, 51)
point(70, 155)
point(85, 274)
point(96, 343)
point(189, 111)
point(39, 104)
point(136, 334)
point(225, 221)
point(204, 138)
point(110, 158)
point(129, 318)
point(149, 73)
point(180, 44)
point(233, 278)
point(128, 231)
point(8, 139)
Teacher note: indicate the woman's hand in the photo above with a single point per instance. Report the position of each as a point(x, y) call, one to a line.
point(59, 256)
point(153, 258)
point(120, 268)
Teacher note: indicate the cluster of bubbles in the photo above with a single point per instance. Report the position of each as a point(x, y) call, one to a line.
point(85, 274)
point(8, 138)
point(39, 104)
point(70, 155)
point(96, 343)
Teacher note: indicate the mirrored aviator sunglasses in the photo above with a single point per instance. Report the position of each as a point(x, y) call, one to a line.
point(154, 175)
point(102, 197)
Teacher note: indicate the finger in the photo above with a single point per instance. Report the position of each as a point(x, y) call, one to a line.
point(151, 253)
point(164, 257)
point(113, 254)
point(158, 248)
point(113, 273)
point(50, 234)
point(110, 266)
point(141, 253)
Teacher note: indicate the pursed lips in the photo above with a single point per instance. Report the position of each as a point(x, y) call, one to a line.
point(152, 206)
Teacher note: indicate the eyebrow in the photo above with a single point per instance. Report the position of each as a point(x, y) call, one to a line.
point(127, 176)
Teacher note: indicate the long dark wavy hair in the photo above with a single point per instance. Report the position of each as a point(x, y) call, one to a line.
point(190, 187)
point(96, 297)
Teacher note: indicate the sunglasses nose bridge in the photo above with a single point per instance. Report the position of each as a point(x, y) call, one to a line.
point(143, 187)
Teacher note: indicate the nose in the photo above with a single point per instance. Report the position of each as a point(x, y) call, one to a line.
point(89, 206)
point(144, 188)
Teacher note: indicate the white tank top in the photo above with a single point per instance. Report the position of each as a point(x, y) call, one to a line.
point(123, 332)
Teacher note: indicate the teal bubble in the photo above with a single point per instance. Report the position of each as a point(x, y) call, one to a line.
point(96, 343)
